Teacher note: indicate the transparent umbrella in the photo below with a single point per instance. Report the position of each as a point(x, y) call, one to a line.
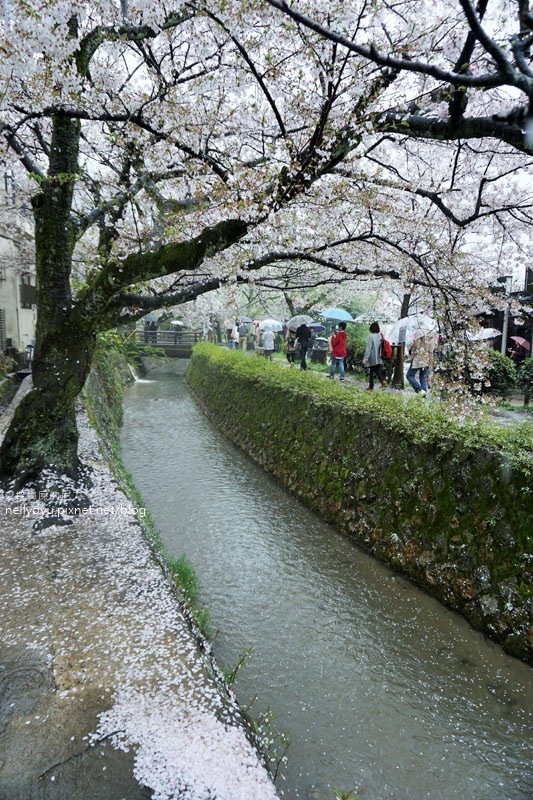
point(270, 325)
point(373, 316)
point(299, 319)
point(408, 328)
point(484, 333)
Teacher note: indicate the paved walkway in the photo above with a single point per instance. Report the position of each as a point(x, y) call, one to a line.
point(104, 691)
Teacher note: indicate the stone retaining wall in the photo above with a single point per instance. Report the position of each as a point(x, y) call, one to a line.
point(435, 501)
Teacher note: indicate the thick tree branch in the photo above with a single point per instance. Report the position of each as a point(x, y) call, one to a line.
point(459, 100)
point(422, 127)
point(133, 117)
point(90, 43)
point(486, 81)
point(16, 145)
point(140, 267)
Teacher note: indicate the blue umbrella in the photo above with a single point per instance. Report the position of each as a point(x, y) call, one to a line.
point(338, 314)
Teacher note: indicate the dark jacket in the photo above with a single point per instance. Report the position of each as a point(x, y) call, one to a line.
point(304, 334)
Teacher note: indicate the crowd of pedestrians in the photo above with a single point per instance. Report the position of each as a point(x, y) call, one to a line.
point(377, 357)
point(298, 346)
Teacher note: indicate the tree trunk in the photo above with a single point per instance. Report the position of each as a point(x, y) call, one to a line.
point(43, 430)
point(398, 376)
point(43, 433)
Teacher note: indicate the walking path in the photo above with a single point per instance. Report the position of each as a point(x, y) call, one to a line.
point(104, 691)
point(502, 416)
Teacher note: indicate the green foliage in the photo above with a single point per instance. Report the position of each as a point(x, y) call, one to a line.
point(340, 795)
point(185, 576)
point(525, 378)
point(125, 342)
point(230, 673)
point(428, 424)
point(7, 364)
point(356, 343)
point(6, 387)
point(273, 744)
point(501, 375)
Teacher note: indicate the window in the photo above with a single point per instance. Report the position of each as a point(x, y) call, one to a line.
point(28, 293)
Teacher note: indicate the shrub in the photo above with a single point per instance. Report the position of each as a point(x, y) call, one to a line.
point(500, 377)
point(124, 342)
point(355, 346)
point(525, 379)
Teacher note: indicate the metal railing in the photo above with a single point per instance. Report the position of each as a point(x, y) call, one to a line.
point(181, 340)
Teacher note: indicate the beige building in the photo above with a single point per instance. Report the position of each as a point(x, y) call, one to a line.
point(18, 294)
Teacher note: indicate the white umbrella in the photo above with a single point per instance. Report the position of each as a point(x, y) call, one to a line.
point(299, 319)
point(484, 333)
point(177, 322)
point(270, 325)
point(408, 328)
point(373, 316)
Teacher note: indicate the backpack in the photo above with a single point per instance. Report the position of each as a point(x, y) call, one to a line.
point(386, 349)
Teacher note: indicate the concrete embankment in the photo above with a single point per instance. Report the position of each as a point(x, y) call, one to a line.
point(105, 692)
point(448, 505)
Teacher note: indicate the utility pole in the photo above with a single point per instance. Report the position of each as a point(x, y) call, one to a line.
point(508, 286)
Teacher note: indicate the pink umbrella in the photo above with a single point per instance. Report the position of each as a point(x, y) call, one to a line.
point(521, 341)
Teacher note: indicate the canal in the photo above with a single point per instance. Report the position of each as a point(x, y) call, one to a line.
point(378, 687)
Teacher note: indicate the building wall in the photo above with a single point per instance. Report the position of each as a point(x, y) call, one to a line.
point(18, 310)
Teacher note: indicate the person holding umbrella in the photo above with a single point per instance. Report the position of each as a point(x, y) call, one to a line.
point(421, 362)
point(290, 346)
point(268, 343)
point(303, 334)
point(518, 349)
point(372, 358)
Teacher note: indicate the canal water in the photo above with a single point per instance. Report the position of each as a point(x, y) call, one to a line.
point(378, 687)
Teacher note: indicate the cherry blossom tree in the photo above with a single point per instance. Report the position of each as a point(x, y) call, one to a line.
point(465, 68)
point(173, 149)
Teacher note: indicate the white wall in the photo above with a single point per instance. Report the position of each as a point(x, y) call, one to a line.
point(16, 257)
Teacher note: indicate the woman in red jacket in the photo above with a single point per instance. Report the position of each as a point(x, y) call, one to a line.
point(338, 351)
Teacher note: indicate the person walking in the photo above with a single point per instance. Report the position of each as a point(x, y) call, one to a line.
point(517, 353)
point(290, 347)
point(338, 351)
point(303, 334)
point(243, 335)
point(234, 337)
point(228, 327)
point(421, 362)
point(372, 358)
point(268, 344)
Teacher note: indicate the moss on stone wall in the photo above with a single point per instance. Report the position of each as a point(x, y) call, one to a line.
point(449, 505)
